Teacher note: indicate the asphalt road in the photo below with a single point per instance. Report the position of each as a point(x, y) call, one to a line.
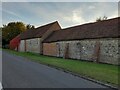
point(18, 72)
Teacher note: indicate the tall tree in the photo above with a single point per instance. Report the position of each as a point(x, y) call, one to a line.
point(11, 30)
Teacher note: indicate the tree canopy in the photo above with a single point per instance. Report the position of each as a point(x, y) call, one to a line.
point(13, 29)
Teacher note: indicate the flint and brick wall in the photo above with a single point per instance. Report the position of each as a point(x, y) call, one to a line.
point(30, 45)
point(33, 45)
point(86, 50)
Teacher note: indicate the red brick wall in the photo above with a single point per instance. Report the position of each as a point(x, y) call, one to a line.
point(49, 49)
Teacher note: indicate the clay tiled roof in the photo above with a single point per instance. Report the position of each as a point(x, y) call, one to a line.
point(37, 32)
point(103, 29)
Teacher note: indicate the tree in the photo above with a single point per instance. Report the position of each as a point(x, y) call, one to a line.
point(101, 19)
point(11, 30)
point(28, 26)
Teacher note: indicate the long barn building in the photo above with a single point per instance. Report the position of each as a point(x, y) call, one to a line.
point(97, 42)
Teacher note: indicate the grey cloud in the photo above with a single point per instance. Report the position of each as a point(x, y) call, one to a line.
point(68, 14)
point(60, 0)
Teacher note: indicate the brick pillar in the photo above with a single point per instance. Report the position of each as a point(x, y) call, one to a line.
point(66, 53)
point(96, 52)
point(25, 45)
point(58, 50)
point(17, 47)
point(41, 48)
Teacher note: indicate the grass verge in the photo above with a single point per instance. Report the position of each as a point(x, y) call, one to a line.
point(102, 72)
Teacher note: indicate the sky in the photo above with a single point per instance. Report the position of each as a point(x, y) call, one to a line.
point(66, 13)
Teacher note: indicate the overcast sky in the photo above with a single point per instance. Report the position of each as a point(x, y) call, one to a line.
point(67, 13)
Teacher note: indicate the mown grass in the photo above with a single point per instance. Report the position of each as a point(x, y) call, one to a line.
point(101, 72)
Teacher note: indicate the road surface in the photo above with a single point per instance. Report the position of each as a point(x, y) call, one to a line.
point(18, 72)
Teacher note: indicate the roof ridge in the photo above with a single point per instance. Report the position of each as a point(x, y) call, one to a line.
point(47, 24)
point(37, 32)
point(91, 23)
point(50, 25)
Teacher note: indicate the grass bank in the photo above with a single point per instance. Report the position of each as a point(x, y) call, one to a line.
point(101, 72)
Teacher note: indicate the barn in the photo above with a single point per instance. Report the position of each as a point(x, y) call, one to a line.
point(31, 40)
point(97, 42)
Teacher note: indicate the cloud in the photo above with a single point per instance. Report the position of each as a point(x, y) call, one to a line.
point(11, 13)
point(60, 0)
point(77, 18)
point(15, 0)
point(114, 14)
point(0, 14)
point(91, 7)
point(68, 14)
